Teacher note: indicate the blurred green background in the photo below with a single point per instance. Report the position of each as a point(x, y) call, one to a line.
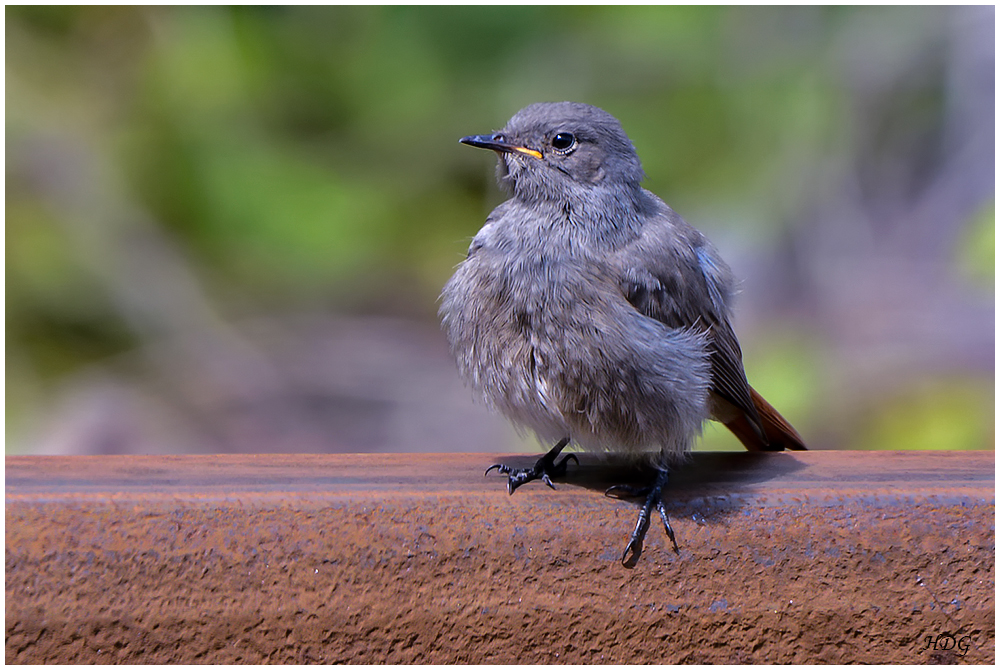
point(227, 228)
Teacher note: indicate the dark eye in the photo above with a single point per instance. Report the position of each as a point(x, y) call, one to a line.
point(563, 141)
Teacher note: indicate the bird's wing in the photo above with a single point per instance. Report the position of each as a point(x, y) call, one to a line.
point(673, 275)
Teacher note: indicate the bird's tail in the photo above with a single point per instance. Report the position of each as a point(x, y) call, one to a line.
point(778, 432)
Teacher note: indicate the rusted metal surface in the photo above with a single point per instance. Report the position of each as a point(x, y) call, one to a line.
point(826, 557)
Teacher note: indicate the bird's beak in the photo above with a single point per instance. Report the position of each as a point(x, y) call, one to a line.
point(488, 142)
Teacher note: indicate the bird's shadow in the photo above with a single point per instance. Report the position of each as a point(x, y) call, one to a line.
point(706, 486)
point(700, 474)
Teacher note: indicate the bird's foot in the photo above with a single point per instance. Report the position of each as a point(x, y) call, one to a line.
point(653, 495)
point(545, 468)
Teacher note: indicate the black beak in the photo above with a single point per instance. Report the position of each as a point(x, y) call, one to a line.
point(496, 143)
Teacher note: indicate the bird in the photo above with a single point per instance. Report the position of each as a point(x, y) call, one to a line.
point(592, 314)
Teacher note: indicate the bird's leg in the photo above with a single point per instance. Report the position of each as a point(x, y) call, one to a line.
point(544, 468)
point(653, 496)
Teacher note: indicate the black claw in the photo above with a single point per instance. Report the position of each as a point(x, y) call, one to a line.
point(498, 466)
point(634, 546)
point(666, 526)
point(631, 554)
point(653, 498)
point(559, 469)
point(544, 468)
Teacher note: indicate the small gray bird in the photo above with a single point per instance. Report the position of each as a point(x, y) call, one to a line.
point(588, 311)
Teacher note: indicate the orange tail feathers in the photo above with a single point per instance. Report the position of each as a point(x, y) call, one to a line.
point(779, 433)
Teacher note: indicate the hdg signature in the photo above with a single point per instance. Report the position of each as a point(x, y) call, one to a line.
point(948, 642)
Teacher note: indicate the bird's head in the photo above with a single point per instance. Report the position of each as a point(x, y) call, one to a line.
point(555, 150)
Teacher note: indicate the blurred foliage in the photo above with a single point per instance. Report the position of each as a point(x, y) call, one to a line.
point(977, 247)
point(307, 157)
point(295, 148)
point(946, 411)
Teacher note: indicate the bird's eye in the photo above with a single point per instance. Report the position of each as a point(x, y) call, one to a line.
point(563, 141)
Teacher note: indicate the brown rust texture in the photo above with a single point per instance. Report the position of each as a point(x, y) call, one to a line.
point(818, 557)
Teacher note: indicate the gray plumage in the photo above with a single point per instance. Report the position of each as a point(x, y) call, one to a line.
point(587, 308)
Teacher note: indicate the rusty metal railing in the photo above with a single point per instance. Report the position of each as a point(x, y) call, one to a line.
point(832, 557)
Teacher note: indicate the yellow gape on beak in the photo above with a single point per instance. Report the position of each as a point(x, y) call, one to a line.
point(530, 152)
